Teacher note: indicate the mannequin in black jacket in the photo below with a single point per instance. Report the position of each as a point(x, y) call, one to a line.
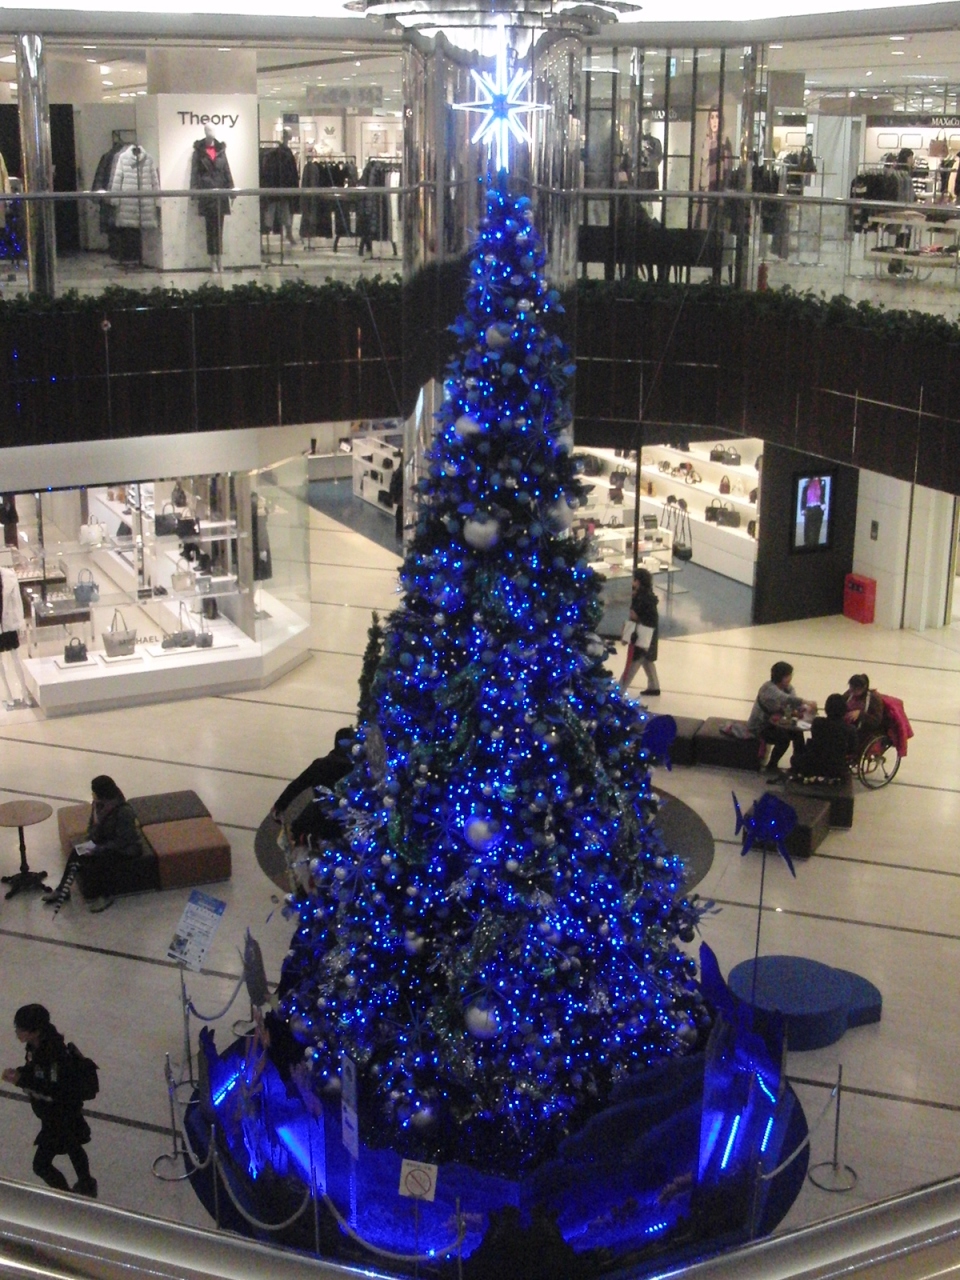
point(210, 171)
point(278, 168)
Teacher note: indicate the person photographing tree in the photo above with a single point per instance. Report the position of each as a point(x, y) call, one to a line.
point(54, 1078)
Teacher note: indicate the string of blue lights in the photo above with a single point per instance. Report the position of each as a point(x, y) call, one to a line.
point(495, 940)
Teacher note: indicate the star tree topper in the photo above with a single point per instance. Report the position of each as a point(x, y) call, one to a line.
point(500, 102)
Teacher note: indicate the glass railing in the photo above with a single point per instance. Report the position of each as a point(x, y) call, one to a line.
point(893, 254)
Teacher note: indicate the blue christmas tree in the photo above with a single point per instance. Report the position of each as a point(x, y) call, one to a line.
point(494, 940)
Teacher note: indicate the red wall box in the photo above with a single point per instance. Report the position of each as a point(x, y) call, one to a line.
point(859, 597)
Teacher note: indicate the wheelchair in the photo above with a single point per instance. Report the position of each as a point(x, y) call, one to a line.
point(880, 757)
point(878, 762)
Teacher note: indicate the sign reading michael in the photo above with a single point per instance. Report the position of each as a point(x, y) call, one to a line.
point(191, 117)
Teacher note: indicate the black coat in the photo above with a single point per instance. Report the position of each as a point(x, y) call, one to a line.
point(827, 754)
point(644, 608)
point(278, 168)
point(56, 1103)
point(211, 175)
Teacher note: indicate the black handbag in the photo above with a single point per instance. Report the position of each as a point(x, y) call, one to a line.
point(185, 638)
point(165, 522)
point(752, 528)
point(188, 526)
point(727, 518)
point(753, 495)
point(718, 453)
point(683, 542)
point(75, 651)
point(712, 513)
point(733, 458)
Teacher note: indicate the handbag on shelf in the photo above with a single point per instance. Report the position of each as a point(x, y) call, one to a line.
point(184, 638)
point(682, 539)
point(91, 533)
point(204, 637)
point(727, 518)
point(752, 528)
point(86, 590)
point(188, 526)
point(724, 484)
point(165, 522)
point(75, 650)
point(648, 522)
point(753, 495)
point(712, 513)
point(664, 466)
point(119, 642)
point(693, 477)
point(209, 608)
point(938, 148)
point(183, 579)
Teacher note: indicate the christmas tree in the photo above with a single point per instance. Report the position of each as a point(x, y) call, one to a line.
point(494, 940)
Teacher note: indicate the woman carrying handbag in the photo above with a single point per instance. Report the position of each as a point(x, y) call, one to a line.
point(644, 626)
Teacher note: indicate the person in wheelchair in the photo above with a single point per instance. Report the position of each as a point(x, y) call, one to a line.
point(864, 709)
point(833, 745)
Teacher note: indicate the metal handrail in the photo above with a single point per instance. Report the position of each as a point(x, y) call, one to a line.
point(918, 1230)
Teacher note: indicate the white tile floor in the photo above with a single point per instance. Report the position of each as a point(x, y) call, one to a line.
point(883, 899)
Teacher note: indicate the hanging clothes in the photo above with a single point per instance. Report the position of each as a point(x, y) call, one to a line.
point(136, 170)
point(102, 180)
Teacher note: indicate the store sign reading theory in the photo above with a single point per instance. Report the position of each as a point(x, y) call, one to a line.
point(191, 118)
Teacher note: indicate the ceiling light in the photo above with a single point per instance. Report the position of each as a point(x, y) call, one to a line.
point(897, 53)
point(91, 59)
point(108, 83)
point(356, 64)
point(104, 71)
point(224, 48)
point(776, 46)
point(869, 73)
point(852, 93)
point(89, 46)
point(898, 37)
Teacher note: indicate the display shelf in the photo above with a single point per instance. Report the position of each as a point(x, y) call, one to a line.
point(374, 464)
point(704, 486)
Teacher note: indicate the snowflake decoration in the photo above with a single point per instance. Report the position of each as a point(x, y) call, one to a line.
point(499, 100)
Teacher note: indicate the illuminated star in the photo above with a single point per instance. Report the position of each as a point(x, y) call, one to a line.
point(499, 100)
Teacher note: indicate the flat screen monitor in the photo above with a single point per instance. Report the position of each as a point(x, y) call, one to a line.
point(813, 514)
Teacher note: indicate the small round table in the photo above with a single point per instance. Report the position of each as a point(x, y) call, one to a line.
point(20, 814)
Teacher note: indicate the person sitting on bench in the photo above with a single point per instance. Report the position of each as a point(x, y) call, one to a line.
point(325, 771)
point(833, 742)
point(112, 833)
point(776, 703)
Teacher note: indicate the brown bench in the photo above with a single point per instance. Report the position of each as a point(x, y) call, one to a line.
point(712, 746)
point(184, 846)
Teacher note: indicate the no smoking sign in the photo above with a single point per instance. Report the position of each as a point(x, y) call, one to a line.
point(418, 1180)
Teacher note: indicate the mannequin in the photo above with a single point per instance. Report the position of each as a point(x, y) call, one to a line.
point(278, 168)
point(9, 519)
point(210, 171)
point(11, 624)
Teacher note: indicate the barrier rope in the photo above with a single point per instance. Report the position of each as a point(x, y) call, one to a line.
point(215, 1017)
point(766, 1177)
point(255, 1222)
point(387, 1253)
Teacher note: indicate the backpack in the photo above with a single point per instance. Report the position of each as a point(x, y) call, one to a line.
point(85, 1081)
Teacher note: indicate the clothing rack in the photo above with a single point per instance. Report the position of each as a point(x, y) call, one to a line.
point(324, 204)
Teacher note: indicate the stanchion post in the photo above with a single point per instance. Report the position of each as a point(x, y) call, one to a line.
point(214, 1166)
point(459, 1241)
point(831, 1175)
point(185, 1005)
